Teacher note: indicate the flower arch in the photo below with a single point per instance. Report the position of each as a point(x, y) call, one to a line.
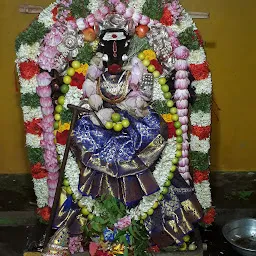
point(40, 49)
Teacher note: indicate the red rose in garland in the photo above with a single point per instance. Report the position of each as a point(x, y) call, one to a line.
point(54, 13)
point(209, 217)
point(171, 130)
point(44, 213)
point(202, 132)
point(33, 127)
point(78, 80)
point(157, 65)
point(28, 69)
point(200, 176)
point(167, 17)
point(62, 137)
point(200, 71)
point(38, 171)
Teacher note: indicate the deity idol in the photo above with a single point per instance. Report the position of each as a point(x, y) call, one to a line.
point(120, 161)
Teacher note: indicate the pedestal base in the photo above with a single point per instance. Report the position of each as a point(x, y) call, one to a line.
point(197, 252)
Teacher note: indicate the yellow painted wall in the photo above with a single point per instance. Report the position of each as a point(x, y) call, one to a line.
point(230, 36)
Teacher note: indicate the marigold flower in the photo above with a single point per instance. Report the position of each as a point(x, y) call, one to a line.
point(83, 69)
point(64, 127)
point(167, 118)
point(149, 54)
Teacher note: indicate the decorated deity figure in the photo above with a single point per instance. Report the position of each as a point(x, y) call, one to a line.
point(119, 143)
point(127, 173)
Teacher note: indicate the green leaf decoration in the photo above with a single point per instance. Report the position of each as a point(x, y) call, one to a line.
point(30, 99)
point(137, 45)
point(79, 8)
point(34, 33)
point(189, 39)
point(202, 102)
point(125, 251)
point(153, 9)
point(85, 54)
point(160, 107)
point(199, 161)
point(35, 155)
point(66, 116)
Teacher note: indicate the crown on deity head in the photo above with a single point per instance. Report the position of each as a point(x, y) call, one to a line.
point(117, 22)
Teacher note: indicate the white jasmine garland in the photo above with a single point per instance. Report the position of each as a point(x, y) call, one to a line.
point(197, 56)
point(185, 22)
point(31, 113)
point(203, 192)
point(33, 141)
point(203, 86)
point(93, 5)
point(157, 93)
point(73, 96)
point(26, 52)
point(200, 118)
point(137, 4)
point(71, 170)
point(41, 191)
point(46, 16)
point(162, 168)
point(202, 146)
point(28, 86)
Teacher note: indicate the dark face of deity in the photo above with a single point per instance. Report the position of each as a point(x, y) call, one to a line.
point(114, 45)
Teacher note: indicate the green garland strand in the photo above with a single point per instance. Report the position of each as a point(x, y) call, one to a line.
point(160, 107)
point(35, 32)
point(199, 161)
point(189, 39)
point(85, 54)
point(203, 103)
point(66, 116)
point(153, 9)
point(35, 155)
point(79, 8)
point(30, 99)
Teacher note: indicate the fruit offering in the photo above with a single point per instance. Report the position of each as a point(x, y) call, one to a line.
point(117, 124)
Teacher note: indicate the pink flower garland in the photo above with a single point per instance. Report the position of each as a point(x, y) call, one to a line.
point(181, 96)
point(50, 156)
point(120, 8)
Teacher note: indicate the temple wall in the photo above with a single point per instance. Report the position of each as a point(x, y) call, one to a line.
point(229, 36)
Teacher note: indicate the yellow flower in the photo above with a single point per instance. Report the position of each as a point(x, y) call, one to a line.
point(64, 127)
point(83, 69)
point(149, 54)
point(167, 118)
point(95, 44)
